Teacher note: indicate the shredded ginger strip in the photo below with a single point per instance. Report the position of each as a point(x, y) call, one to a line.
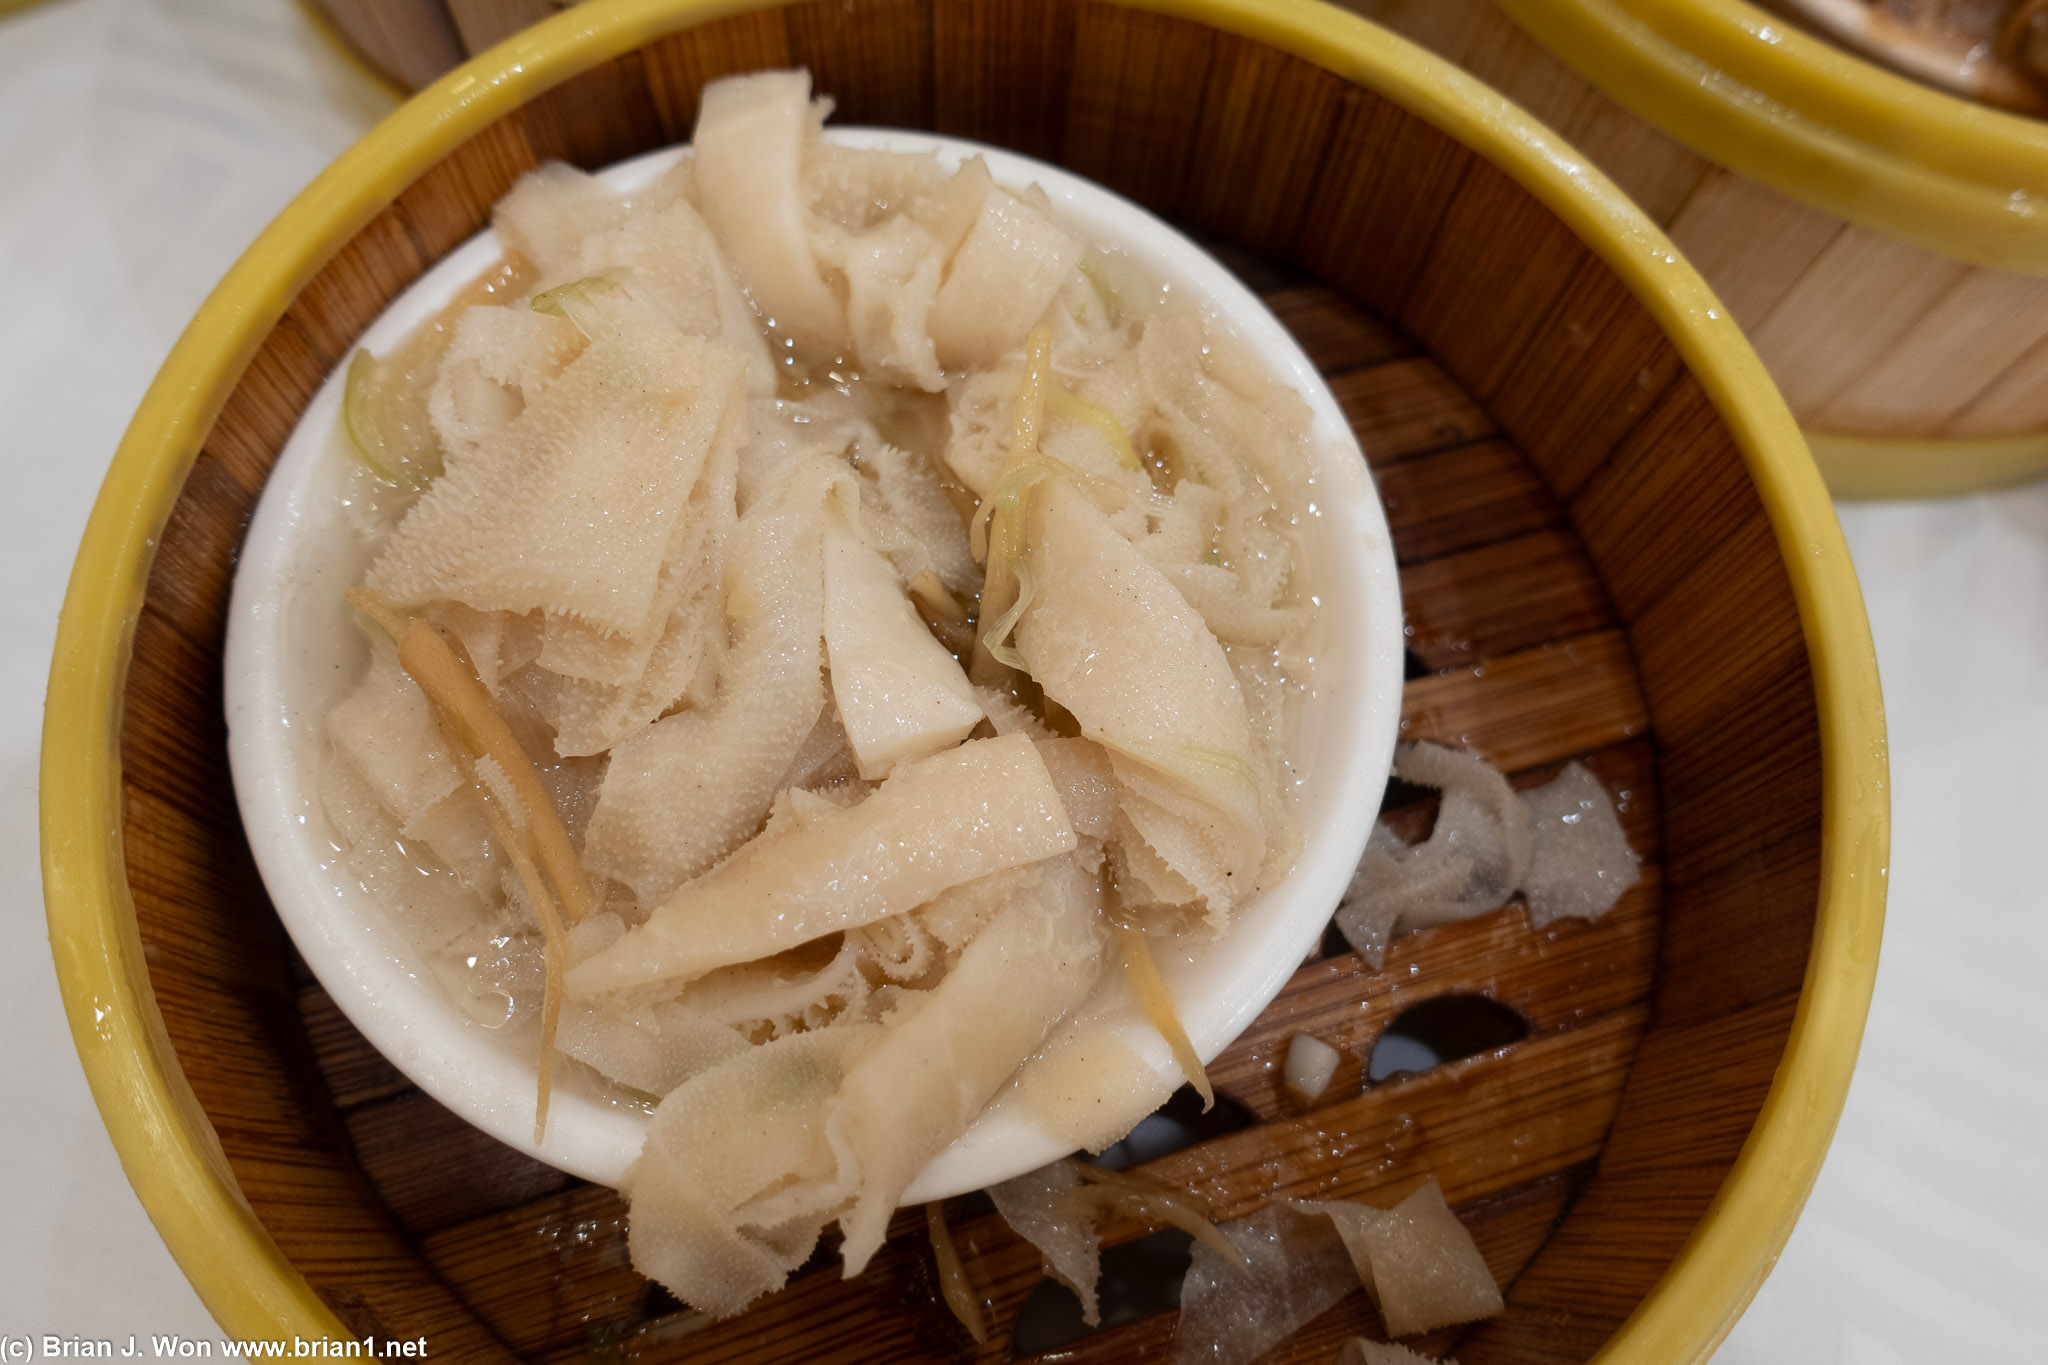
point(953, 1275)
point(1144, 977)
point(522, 819)
point(515, 834)
point(996, 535)
point(1024, 426)
point(1149, 1201)
point(451, 684)
point(1071, 407)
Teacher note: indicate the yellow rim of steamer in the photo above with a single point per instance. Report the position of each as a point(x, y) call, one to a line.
point(1834, 131)
point(1858, 467)
point(1748, 91)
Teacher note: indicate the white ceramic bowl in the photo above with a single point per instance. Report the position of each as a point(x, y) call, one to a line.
point(292, 652)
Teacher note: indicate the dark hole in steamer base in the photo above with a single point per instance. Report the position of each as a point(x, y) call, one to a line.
point(1445, 1029)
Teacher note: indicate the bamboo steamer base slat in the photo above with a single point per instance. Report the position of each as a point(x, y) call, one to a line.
point(1588, 568)
point(1871, 340)
point(1526, 666)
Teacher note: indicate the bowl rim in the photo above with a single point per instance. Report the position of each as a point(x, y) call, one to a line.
point(1820, 125)
point(164, 1139)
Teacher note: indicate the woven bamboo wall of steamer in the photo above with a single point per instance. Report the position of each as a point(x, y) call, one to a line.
point(1587, 568)
point(1865, 335)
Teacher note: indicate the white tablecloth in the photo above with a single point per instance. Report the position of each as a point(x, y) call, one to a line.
point(144, 142)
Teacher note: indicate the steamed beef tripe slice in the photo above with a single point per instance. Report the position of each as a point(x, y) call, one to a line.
point(813, 985)
point(385, 731)
point(778, 996)
point(824, 763)
point(385, 736)
point(1086, 781)
point(570, 225)
point(892, 229)
point(884, 224)
point(981, 414)
point(1073, 429)
point(691, 787)
point(692, 565)
point(591, 713)
point(946, 1055)
point(725, 1136)
point(1180, 529)
point(1085, 1089)
point(1475, 858)
point(855, 188)
point(746, 1163)
point(1038, 1206)
point(1580, 863)
point(953, 917)
point(938, 822)
point(1234, 430)
point(913, 949)
point(880, 255)
point(1417, 1260)
point(652, 1049)
point(1389, 879)
point(784, 434)
point(434, 907)
point(724, 761)
point(918, 549)
point(1290, 1268)
point(822, 427)
point(1225, 414)
point(911, 493)
point(597, 690)
point(615, 442)
point(1091, 439)
point(590, 717)
point(1108, 638)
point(900, 694)
point(551, 211)
point(673, 256)
point(498, 359)
point(1000, 281)
point(754, 133)
point(898, 949)
point(1231, 615)
point(1501, 855)
point(891, 274)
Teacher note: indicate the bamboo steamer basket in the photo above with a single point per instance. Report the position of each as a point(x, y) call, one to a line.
point(1884, 244)
point(1613, 546)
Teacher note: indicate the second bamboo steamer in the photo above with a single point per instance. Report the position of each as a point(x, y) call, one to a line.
point(1884, 245)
